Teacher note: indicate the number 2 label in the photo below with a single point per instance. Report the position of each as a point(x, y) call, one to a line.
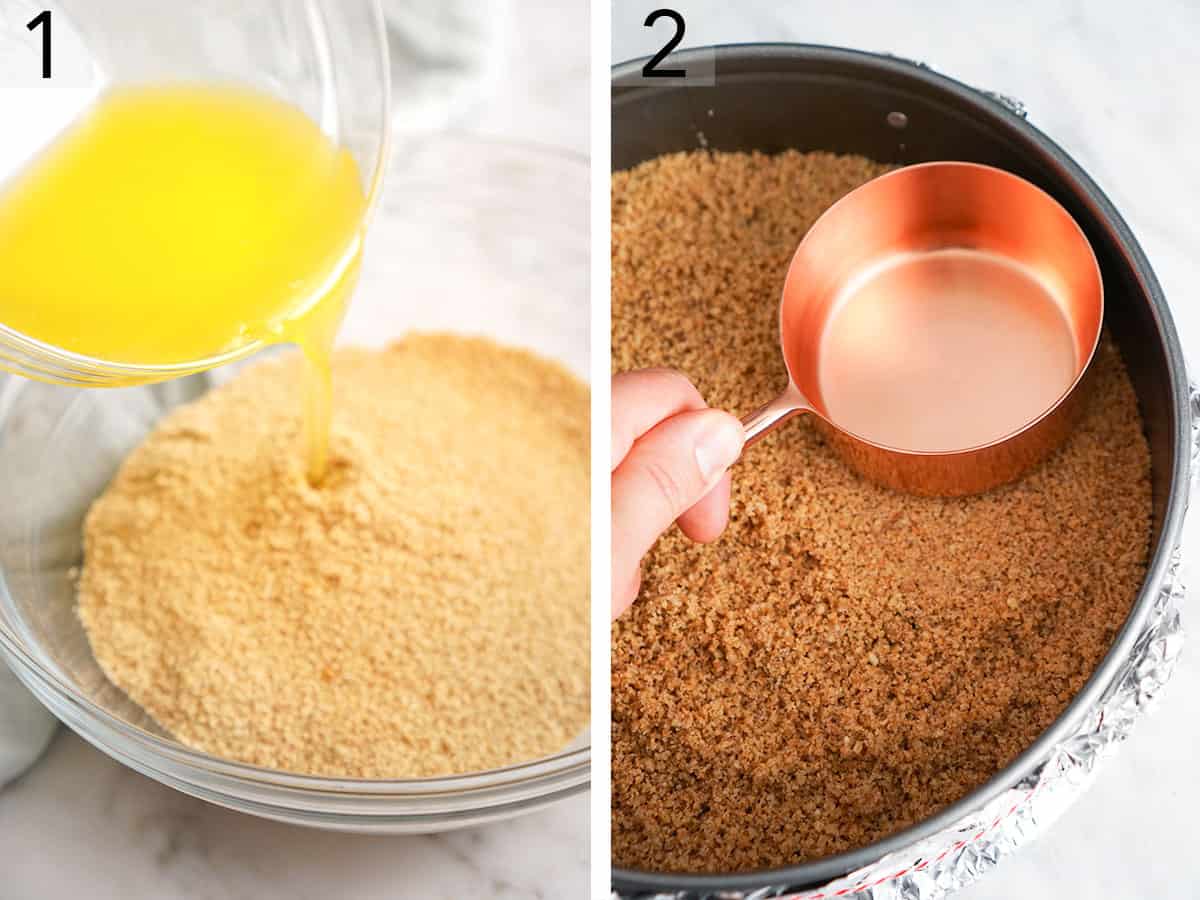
point(650, 70)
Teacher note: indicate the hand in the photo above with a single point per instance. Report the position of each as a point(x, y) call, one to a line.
point(669, 464)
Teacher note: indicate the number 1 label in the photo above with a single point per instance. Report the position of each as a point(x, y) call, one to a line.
point(43, 18)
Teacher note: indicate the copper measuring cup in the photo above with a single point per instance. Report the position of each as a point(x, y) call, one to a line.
point(939, 322)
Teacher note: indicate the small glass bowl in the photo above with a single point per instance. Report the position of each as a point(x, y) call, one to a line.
point(474, 236)
point(328, 58)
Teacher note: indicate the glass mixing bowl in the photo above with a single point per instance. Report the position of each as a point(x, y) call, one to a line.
point(329, 58)
point(473, 236)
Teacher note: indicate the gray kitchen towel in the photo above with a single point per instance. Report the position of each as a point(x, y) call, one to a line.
point(49, 476)
point(446, 57)
point(25, 727)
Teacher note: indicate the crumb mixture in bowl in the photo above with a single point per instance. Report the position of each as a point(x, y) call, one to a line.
point(423, 612)
point(845, 660)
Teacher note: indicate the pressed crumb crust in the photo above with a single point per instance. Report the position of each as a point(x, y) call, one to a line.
point(845, 660)
point(423, 612)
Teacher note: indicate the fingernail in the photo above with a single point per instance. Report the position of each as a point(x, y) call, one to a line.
point(718, 447)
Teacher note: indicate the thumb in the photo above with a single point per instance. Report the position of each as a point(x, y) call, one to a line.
point(668, 469)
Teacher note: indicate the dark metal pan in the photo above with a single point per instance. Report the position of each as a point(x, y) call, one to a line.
point(771, 97)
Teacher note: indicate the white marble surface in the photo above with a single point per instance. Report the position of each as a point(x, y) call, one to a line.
point(81, 825)
point(1114, 84)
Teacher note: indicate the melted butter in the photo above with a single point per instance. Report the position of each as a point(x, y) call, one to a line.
point(175, 223)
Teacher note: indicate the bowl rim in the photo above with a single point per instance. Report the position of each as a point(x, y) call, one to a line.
point(825, 869)
point(27, 667)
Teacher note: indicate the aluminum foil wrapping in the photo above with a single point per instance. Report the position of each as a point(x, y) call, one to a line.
point(952, 859)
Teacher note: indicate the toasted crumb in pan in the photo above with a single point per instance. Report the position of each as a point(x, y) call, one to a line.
point(846, 660)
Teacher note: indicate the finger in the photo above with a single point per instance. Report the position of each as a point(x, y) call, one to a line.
point(626, 592)
point(708, 516)
point(642, 399)
point(668, 469)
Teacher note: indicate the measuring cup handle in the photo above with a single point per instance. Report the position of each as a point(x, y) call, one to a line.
point(762, 420)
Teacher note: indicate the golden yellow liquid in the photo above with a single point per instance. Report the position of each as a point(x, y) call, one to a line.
point(174, 223)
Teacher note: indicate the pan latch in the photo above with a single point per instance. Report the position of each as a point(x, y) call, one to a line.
point(1012, 104)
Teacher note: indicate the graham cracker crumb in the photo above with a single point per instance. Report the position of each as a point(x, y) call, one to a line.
point(846, 660)
point(423, 612)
